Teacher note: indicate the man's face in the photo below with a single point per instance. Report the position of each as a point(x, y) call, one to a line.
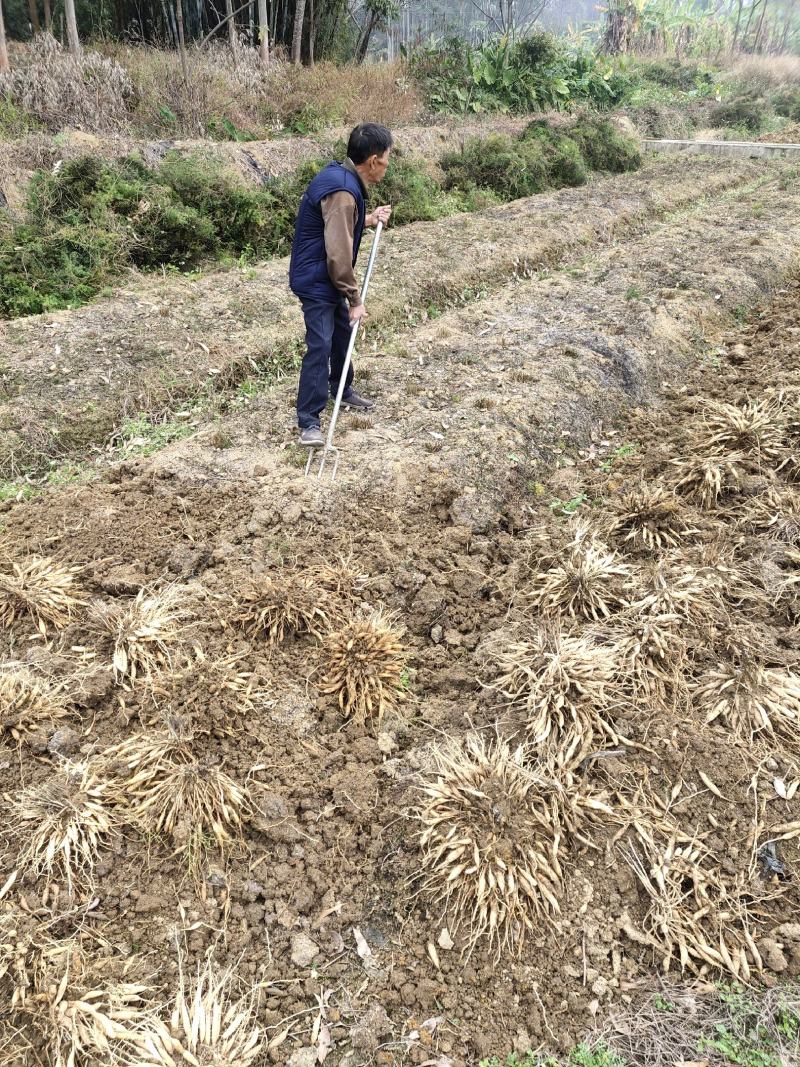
point(376, 167)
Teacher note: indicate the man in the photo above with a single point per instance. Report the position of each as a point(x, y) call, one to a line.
point(330, 222)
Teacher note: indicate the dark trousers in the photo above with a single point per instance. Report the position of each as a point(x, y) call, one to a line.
point(327, 337)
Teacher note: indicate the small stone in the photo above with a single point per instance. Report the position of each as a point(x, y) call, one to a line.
point(772, 955)
point(260, 471)
point(594, 1007)
point(445, 940)
point(303, 1057)
point(600, 986)
point(64, 742)
point(436, 634)
point(304, 950)
point(386, 743)
point(369, 1031)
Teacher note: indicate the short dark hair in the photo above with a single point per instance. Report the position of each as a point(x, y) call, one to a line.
point(368, 139)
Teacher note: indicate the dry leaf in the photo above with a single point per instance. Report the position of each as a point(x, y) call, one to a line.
point(279, 1039)
point(434, 955)
point(362, 948)
point(324, 1044)
point(779, 786)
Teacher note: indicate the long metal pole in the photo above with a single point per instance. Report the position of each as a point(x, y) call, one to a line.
point(348, 358)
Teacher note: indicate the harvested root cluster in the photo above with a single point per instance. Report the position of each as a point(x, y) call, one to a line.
point(27, 703)
point(210, 1024)
point(694, 918)
point(649, 518)
point(364, 666)
point(564, 684)
point(56, 995)
point(66, 820)
point(491, 833)
point(750, 698)
point(589, 582)
point(143, 633)
point(165, 788)
point(705, 480)
point(282, 604)
point(689, 594)
point(755, 427)
point(39, 589)
point(653, 656)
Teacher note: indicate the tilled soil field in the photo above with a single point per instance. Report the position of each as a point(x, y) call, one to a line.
point(464, 752)
point(68, 379)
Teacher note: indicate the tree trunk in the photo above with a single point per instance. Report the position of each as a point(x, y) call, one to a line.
point(231, 25)
point(312, 31)
point(297, 33)
point(4, 64)
point(72, 28)
point(181, 40)
point(366, 33)
point(263, 33)
point(48, 17)
point(33, 10)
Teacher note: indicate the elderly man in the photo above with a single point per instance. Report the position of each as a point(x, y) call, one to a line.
point(330, 223)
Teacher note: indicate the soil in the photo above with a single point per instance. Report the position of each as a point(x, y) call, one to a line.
point(69, 379)
point(492, 420)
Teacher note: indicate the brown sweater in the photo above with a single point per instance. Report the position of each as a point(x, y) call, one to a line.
point(340, 215)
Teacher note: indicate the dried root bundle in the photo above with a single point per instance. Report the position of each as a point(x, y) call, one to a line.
point(756, 428)
point(774, 514)
point(66, 820)
point(704, 481)
point(491, 832)
point(653, 656)
point(364, 667)
point(59, 994)
point(143, 633)
point(286, 603)
point(688, 594)
point(649, 518)
point(565, 685)
point(340, 579)
point(694, 918)
point(165, 788)
point(210, 1024)
point(27, 702)
point(750, 698)
point(589, 582)
point(40, 589)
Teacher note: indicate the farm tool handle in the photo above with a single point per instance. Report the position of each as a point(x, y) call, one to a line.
point(329, 449)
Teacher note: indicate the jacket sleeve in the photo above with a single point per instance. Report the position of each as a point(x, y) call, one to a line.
point(339, 216)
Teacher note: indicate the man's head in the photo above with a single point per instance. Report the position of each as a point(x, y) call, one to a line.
point(369, 147)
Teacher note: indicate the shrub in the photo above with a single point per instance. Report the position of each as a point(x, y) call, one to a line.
point(655, 120)
point(786, 103)
point(52, 89)
point(565, 163)
point(510, 167)
point(412, 192)
point(603, 145)
point(746, 112)
point(672, 73)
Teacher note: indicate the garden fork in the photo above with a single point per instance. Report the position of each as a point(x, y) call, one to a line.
point(329, 449)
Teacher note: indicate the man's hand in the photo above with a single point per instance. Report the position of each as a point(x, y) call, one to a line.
point(380, 214)
point(357, 313)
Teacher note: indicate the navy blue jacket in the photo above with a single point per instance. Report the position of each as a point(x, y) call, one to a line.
point(308, 269)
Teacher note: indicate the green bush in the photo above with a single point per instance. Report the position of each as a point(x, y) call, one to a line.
point(656, 120)
point(786, 103)
point(542, 157)
point(510, 167)
point(533, 73)
point(745, 112)
point(672, 73)
point(565, 163)
point(412, 192)
point(603, 145)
